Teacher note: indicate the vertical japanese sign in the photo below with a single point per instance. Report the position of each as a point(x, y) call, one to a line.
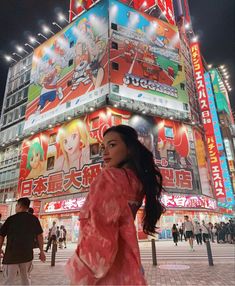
point(219, 142)
point(217, 175)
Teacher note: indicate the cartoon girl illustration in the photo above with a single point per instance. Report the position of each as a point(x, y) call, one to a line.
point(74, 140)
point(35, 161)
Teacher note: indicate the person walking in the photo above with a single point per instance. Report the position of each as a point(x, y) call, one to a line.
point(52, 237)
point(205, 231)
point(181, 233)
point(108, 251)
point(65, 235)
point(20, 230)
point(175, 234)
point(197, 232)
point(188, 228)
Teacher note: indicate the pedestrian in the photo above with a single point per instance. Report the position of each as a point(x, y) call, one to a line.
point(52, 236)
point(205, 231)
point(65, 234)
point(175, 234)
point(61, 237)
point(188, 229)
point(108, 251)
point(20, 230)
point(181, 232)
point(197, 232)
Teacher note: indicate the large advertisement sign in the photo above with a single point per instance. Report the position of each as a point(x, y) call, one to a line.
point(66, 159)
point(78, 6)
point(146, 66)
point(219, 143)
point(70, 69)
point(221, 94)
point(167, 9)
point(202, 164)
point(217, 175)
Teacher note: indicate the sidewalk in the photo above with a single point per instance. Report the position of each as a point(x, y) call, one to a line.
point(197, 274)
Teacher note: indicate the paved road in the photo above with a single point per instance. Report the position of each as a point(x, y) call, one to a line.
point(176, 266)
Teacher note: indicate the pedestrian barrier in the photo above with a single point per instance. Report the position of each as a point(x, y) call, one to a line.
point(154, 254)
point(209, 253)
point(53, 253)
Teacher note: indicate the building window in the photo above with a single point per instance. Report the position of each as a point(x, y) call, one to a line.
point(171, 156)
point(182, 86)
point(70, 62)
point(169, 133)
point(114, 45)
point(114, 26)
point(115, 66)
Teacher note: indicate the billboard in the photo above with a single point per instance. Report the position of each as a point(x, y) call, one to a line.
point(167, 9)
point(212, 149)
point(70, 69)
point(202, 164)
point(219, 143)
point(65, 159)
point(146, 65)
point(221, 94)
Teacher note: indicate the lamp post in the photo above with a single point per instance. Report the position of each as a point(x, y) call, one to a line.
point(33, 40)
point(55, 24)
point(61, 17)
point(15, 54)
point(8, 58)
point(47, 29)
point(26, 44)
point(20, 49)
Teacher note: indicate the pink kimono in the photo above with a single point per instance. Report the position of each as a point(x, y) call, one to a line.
point(108, 251)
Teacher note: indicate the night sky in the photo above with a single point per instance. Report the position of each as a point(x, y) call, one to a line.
point(213, 21)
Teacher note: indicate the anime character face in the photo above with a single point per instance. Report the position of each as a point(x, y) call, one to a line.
point(34, 160)
point(71, 143)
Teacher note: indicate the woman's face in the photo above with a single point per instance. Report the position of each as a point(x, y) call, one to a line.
point(35, 159)
point(114, 150)
point(71, 143)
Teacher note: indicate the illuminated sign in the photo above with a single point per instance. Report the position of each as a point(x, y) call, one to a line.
point(219, 142)
point(217, 175)
point(70, 69)
point(167, 9)
point(146, 66)
point(187, 201)
point(64, 205)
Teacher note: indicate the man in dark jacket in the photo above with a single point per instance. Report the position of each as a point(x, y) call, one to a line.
point(20, 230)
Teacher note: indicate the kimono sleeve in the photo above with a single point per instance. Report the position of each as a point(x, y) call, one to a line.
point(98, 246)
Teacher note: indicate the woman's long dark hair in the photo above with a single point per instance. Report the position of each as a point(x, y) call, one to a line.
point(141, 161)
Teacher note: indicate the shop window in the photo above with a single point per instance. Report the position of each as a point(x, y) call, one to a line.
point(114, 26)
point(169, 132)
point(185, 106)
point(94, 150)
point(115, 66)
point(50, 163)
point(115, 88)
point(171, 156)
point(70, 62)
point(22, 110)
point(114, 45)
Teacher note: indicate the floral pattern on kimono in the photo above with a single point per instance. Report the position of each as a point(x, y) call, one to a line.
point(108, 251)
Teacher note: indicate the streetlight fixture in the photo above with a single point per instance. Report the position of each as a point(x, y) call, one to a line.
point(33, 40)
point(20, 49)
point(46, 30)
point(55, 24)
point(39, 34)
point(194, 39)
point(61, 17)
point(26, 44)
point(8, 58)
point(71, 11)
point(15, 54)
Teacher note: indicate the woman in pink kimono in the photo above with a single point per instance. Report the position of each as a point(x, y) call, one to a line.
point(108, 251)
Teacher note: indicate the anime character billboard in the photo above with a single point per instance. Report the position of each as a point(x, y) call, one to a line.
point(146, 64)
point(70, 69)
point(59, 161)
point(66, 159)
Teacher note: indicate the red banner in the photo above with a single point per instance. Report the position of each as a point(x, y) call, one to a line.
point(167, 9)
point(217, 175)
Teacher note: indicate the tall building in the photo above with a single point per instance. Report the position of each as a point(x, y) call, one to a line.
point(113, 64)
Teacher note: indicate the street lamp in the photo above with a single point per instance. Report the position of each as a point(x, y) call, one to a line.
point(20, 49)
point(46, 30)
point(26, 44)
point(55, 24)
point(39, 34)
point(33, 40)
point(71, 11)
point(61, 17)
point(15, 54)
point(8, 58)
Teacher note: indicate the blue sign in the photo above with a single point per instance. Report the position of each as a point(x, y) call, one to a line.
point(219, 142)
